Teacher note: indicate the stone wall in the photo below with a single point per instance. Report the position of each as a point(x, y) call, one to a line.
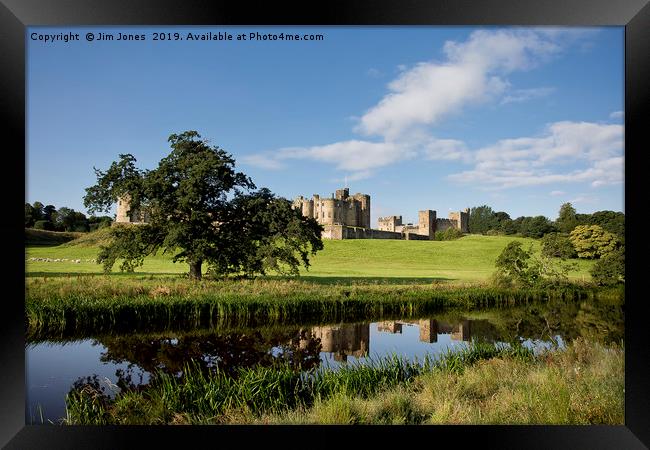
point(389, 223)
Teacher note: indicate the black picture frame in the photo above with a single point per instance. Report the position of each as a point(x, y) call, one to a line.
point(16, 15)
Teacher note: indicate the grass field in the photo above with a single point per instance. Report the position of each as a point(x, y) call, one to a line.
point(468, 259)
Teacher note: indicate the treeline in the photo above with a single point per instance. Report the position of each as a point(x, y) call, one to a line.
point(600, 236)
point(483, 220)
point(47, 217)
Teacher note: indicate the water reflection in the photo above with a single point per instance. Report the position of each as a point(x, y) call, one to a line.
point(132, 361)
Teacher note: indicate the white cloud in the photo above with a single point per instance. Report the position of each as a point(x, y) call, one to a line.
point(446, 149)
point(263, 161)
point(617, 115)
point(557, 193)
point(473, 72)
point(531, 161)
point(523, 95)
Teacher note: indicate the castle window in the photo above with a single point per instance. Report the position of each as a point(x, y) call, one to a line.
point(329, 215)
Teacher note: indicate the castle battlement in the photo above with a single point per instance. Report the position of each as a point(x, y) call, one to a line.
point(340, 209)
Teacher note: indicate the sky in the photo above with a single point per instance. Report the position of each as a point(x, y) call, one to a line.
point(429, 117)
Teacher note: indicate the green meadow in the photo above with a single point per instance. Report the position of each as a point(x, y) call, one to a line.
point(466, 260)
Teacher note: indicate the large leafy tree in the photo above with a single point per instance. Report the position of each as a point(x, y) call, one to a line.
point(591, 241)
point(481, 219)
point(567, 219)
point(202, 211)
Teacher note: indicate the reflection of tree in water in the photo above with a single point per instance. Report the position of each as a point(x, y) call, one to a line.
point(225, 351)
point(604, 323)
point(544, 321)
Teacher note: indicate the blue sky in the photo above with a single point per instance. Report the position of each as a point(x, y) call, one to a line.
point(443, 118)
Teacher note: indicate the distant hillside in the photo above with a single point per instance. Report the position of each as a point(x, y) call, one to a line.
point(92, 239)
point(49, 238)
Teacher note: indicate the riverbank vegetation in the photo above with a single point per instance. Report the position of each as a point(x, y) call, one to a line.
point(484, 384)
point(73, 305)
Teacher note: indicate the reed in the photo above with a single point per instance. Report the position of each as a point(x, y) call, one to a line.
point(90, 305)
point(260, 390)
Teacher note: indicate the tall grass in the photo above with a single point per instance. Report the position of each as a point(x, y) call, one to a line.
point(73, 306)
point(484, 384)
point(205, 396)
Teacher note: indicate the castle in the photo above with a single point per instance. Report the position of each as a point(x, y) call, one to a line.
point(348, 217)
point(344, 216)
point(123, 215)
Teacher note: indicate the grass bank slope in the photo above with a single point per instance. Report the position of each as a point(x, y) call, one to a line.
point(468, 259)
point(34, 237)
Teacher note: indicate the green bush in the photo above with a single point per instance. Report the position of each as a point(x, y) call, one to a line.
point(518, 267)
point(44, 225)
point(610, 269)
point(557, 245)
point(448, 235)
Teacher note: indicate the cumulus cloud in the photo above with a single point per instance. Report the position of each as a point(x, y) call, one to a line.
point(473, 72)
point(531, 161)
point(617, 115)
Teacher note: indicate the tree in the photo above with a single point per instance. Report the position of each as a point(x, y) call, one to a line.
point(512, 265)
point(611, 221)
point(269, 235)
point(201, 212)
point(557, 245)
point(49, 213)
point(591, 241)
point(96, 223)
point(610, 269)
point(29, 215)
point(518, 267)
point(37, 211)
point(535, 227)
point(567, 219)
point(481, 219)
point(67, 219)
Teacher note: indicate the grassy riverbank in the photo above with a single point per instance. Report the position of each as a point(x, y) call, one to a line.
point(73, 305)
point(583, 384)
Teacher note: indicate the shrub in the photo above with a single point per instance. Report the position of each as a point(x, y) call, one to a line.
point(610, 269)
point(518, 267)
point(44, 225)
point(449, 234)
point(557, 245)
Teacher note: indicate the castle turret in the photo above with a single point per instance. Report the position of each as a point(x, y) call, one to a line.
point(426, 223)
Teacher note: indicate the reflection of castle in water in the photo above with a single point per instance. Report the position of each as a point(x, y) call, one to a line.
point(354, 339)
point(430, 328)
point(344, 340)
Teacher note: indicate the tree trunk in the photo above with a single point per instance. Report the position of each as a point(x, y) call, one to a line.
point(195, 269)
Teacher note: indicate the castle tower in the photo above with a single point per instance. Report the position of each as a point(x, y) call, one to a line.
point(124, 214)
point(342, 194)
point(364, 215)
point(428, 330)
point(426, 223)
